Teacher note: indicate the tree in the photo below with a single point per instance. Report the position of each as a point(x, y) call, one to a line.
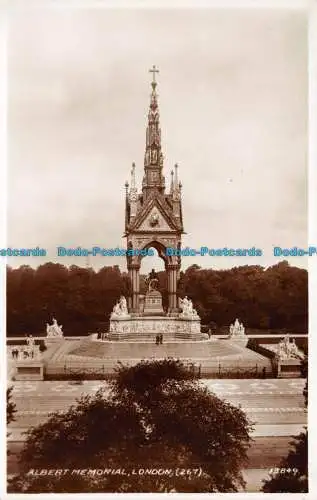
point(304, 373)
point(292, 476)
point(305, 393)
point(154, 416)
point(11, 407)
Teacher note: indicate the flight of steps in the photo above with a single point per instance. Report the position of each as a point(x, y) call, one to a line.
point(150, 337)
point(104, 356)
point(100, 349)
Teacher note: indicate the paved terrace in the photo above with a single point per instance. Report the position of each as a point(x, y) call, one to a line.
point(272, 404)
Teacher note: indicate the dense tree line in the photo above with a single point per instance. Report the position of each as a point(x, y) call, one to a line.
point(79, 298)
point(82, 299)
point(276, 297)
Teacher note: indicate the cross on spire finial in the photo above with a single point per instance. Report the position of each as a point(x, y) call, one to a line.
point(153, 71)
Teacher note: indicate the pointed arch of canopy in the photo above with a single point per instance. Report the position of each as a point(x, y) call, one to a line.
point(161, 250)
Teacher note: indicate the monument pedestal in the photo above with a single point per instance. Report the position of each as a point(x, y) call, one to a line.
point(152, 321)
point(29, 370)
point(147, 327)
point(153, 304)
point(240, 341)
point(288, 368)
point(53, 340)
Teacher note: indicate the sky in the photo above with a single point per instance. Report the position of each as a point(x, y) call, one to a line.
point(233, 108)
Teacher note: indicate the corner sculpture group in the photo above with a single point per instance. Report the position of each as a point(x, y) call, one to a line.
point(186, 306)
point(54, 330)
point(120, 309)
point(287, 349)
point(237, 329)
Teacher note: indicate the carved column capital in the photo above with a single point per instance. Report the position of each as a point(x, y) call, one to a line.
point(134, 266)
point(172, 267)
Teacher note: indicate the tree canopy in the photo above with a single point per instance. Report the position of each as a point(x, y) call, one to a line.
point(82, 299)
point(304, 373)
point(153, 416)
point(11, 407)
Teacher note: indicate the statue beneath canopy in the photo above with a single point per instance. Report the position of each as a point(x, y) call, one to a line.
point(152, 281)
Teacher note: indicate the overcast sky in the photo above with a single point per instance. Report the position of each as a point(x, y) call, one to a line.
point(232, 97)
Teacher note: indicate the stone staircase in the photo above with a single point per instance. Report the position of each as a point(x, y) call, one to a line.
point(150, 337)
point(144, 350)
point(103, 356)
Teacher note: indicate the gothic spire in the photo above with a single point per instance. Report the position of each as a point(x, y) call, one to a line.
point(133, 176)
point(153, 159)
point(176, 174)
point(172, 182)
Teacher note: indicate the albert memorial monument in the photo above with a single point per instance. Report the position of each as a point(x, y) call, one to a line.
point(153, 219)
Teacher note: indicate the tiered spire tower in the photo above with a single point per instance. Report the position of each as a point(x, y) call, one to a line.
point(153, 159)
point(153, 184)
point(153, 218)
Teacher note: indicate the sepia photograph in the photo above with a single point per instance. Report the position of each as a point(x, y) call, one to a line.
point(157, 251)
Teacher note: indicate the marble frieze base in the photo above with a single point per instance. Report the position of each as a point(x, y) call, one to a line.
point(140, 326)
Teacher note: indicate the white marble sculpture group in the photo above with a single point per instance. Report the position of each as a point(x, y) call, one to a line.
point(120, 310)
point(54, 330)
point(188, 311)
point(287, 349)
point(237, 329)
point(187, 322)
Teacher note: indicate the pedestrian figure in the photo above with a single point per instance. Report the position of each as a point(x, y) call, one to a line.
point(264, 372)
point(161, 338)
point(157, 340)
